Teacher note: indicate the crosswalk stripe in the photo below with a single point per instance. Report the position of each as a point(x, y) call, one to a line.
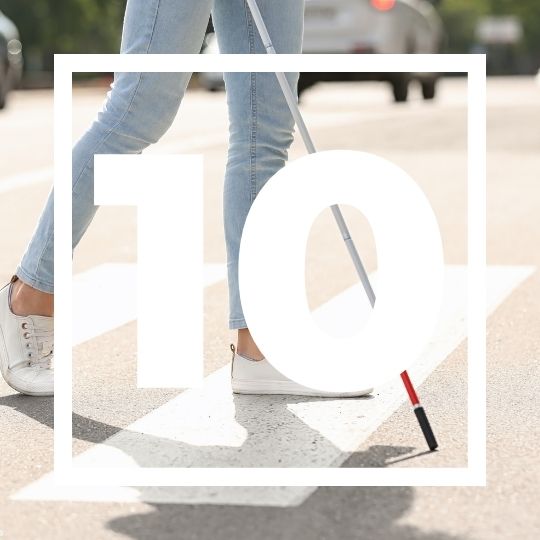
point(174, 146)
point(20, 180)
point(177, 145)
point(209, 427)
point(110, 290)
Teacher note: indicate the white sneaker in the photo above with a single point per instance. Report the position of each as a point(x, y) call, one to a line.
point(26, 348)
point(250, 376)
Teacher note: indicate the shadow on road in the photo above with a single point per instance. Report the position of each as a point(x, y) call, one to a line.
point(331, 513)
point(343, 513)
point(40, 409)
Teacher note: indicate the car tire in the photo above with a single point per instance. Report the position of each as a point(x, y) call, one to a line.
point(3, 74)
point(429, 89)
point(3, 92)
point(400, 89)
point(305, 81)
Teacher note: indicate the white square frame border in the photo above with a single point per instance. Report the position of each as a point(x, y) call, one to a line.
point(472, 475)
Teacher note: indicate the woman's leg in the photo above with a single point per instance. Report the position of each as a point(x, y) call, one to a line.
point(261, 125)
point(139, 109)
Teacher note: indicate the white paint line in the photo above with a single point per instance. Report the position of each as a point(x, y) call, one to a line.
point(186, 146)
point(16, 181)
point(192, 144)
point(110, 291)
point(181, 144)
point(210, 427)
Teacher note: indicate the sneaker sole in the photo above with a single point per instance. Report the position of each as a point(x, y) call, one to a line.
point(286, 388)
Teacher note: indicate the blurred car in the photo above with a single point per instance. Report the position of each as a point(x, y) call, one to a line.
point(11, 61)
point(364, 26)
point(373, 26)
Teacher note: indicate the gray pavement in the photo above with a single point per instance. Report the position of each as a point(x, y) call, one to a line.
point(429, 142)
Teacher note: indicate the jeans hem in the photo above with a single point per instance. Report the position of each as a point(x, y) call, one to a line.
point(33, 282)
point(237, 324)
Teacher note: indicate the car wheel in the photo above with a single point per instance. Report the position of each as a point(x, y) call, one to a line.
point(3, 75)
point(428, 89)
point(305, 81)
point(400, 88)
point(3, 92)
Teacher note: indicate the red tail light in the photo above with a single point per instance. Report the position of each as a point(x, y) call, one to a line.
point(383, 5)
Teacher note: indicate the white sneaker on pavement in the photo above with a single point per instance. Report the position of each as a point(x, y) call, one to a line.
point(26, 348)
point(250, 376)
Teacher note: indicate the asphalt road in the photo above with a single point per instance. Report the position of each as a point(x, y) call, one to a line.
point(429, 141)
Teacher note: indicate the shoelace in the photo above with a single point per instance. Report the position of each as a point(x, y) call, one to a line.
point(43, 356)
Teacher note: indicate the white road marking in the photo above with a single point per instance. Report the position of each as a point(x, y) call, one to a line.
point(193, 144)
point(17, 181)
point(110, 290)
point(210, 427)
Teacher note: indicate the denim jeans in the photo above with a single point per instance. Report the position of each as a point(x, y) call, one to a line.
point(140, 107)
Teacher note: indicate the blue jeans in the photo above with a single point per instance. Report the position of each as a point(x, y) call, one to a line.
point(140, 107)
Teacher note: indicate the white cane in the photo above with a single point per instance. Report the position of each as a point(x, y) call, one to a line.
point(300, 124)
